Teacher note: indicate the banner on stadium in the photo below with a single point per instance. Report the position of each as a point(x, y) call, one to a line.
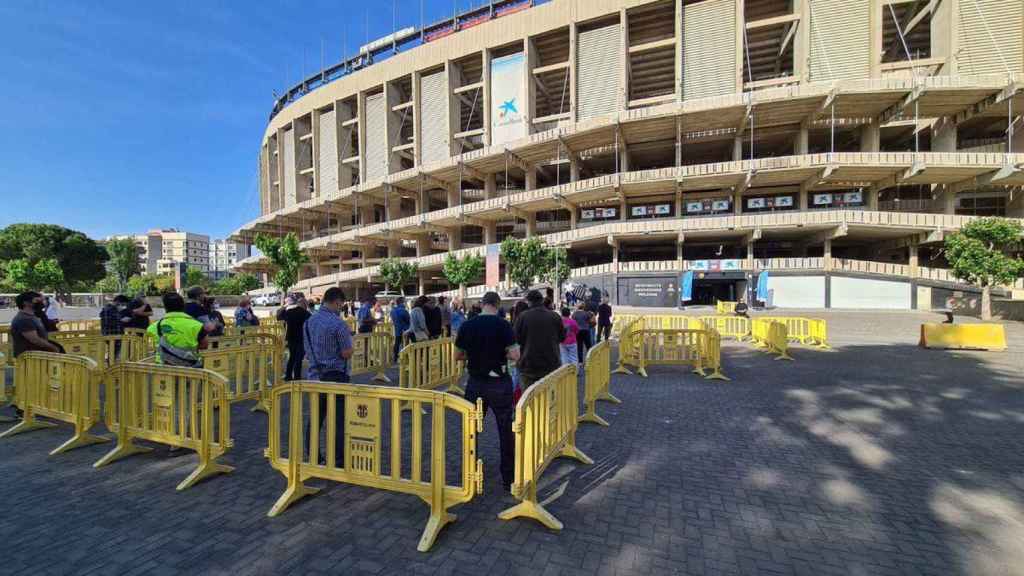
point(508, 99)
point(716, 265)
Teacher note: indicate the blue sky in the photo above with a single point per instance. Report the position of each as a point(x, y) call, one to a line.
point(121, 116)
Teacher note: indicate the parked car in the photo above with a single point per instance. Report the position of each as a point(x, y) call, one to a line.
point(267, 300)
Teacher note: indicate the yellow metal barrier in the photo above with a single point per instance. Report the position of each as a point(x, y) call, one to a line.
point(367, 411)
point(104, 350)
point(250, 370)
point(183, 407)
point(629, 346)
point(598, 376)
point(372, 353)
point(771, 335)
point(672, 348)
point(78, 325)
point(963, 336)
point(812, 331)
point(545, 429)
point(270, 327)
point(430, 365)
point(59, 386)
point(243, 339)
point(736, 327)
point(5, 393)
point(656, 322)
point(723, 307)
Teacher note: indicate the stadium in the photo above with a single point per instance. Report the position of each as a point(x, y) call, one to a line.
point(831, 144)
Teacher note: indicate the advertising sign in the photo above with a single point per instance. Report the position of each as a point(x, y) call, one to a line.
point(492, 270)
point(757, 202)
point(507, 99)
point(649, 291)
point(709, 206)
point(822, 199)
point(716, 265)
point(589, 214)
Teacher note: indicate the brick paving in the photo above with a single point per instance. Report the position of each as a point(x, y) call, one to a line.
point(875, 458)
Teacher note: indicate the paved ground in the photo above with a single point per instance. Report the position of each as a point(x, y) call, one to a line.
point(875, 458)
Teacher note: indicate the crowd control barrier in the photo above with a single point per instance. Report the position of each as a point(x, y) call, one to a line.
point(367, 411)
point(430, 365)
point(183, 407)
point(672, 348)
point(372, 353)
point(723, 307)
point(629, 346)
point(59, 386)
point(812, 331)
point(545, 429)
point(963, 336)
point(78, 325)
point(598, 376)
point(244, 339)
point(5, 390)
point(772, 336)
point(249, 370)
point(736, 327)
point(270, 327)
point(104, 350)
point(656, 322)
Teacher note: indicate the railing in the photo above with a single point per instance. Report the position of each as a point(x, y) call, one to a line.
point(598, 376)
point(545, 429)
point(63, 387)
point(104, 350)
point(812, 331)
point(430, 365)
point(372, 353)
point(772, 336)
point(736, 327)
point(183, 407)
point(250, 370)
point(360, 437)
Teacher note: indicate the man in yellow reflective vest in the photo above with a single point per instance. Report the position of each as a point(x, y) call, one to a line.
point(179, 336)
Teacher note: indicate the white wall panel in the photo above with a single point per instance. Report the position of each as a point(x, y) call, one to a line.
point(376, 137)
point(328, 140)
point(866, 293)
point(434, 123)
point(289, 167)
point(797, 291)
point(840, 40)
point(709, 49)
point(1005, 20)
point(599, 68)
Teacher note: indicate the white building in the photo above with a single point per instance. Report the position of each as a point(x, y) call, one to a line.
point(223, 255)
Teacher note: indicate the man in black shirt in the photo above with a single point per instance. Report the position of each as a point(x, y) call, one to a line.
point(539, 332)
point(28, 333)
point(432, 312)
point(604, 320)
point(487, 343)
point(295, 317)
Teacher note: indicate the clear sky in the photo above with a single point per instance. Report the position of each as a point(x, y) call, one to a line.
point(119, 116)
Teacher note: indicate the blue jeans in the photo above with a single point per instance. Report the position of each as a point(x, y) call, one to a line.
point(497, 395)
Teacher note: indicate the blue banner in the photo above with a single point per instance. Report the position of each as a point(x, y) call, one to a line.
point(686, 287)
point(762, 287)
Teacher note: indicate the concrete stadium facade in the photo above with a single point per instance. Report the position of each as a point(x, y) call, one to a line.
point(832, 143)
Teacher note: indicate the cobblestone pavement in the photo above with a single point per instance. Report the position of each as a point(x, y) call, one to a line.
point(875, 458)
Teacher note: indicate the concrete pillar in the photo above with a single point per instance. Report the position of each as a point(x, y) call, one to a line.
point(531, 179)
point(574, 169)
point(531, 225)
point(454, 198)
point(615, 257)
point(491, 233)
point(737, 148)
point(802, 144)
point(750, 255)
point(423, 246)
point(946, 198)
point(871, 137)
point(679, 256)
point(943, 137)
point(491, 186)
point(573, 214)
point(912, 268)
point(737, 201)
point(873, 194)
point(366, 214)
point(827, 260)
point(622, 209)
point(802, 199)
point(1015, 202)
point(421, 283)
point(454, 239)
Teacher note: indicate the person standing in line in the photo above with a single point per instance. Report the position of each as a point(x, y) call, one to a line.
point(458, 315)
point(244, 314)
point(487, 343)
point(539, 332)
point(446, 315)
point(568, 346)
point(194, 307)
point(137, 314)
point(435, 328)
point(213, 313)
point(179, 336)
point(111, 316)
point(365, 320)
point(295, 318)
point(400, 320)
point(604, 320)
point(418, 321)
point(27, 332)
point(328, 345)
point(584, 319)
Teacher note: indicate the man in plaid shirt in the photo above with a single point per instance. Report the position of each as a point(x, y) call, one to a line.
point(111, 314)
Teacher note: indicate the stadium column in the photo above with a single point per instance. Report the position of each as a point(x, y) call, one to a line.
point(827, 255)
point(679, 251)
point(423, 245)
point(614, 243)
point(394, 213)
point(1015, 203)
point(912, 258)
point(490, 191)
point(802, 143)
point(454, 232)
point(531, 224)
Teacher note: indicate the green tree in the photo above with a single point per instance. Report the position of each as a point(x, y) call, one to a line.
point(558, 270)
point(150, 284)
point(110, 284)
point(462, 271)
point(124, 260)
point(525, 260)
point(235, 285)
point(79, 258)
point(43, 275)
point(285, 255)
point(980, 254)
point(397, 273)
point(195, 277)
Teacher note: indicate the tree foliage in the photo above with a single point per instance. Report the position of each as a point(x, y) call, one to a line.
point(124, 260)
point(462, 271)
point(529, 259)
point(150, 284)
point(110, 284)
point(195, 277)
point(80, 260)
point(285, 255)
point(558, 270)
point(397, 273)
point(22, 274)
point(981, 254)
point(235, 285)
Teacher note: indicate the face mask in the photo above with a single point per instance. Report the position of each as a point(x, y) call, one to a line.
point(38, 306)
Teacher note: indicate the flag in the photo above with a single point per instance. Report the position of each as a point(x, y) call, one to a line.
point(686, 287)
point(762, 286)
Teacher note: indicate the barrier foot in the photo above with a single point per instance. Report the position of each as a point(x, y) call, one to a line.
point(260, 406)
point(456, 389)
point(293, 493)
point(530, 509)
point(609, 397)
point(642, 372)
point(593, 419)
point(716, 375)
point(121, 451)
point(203, 471)
point(27, 425)
point(382, 377)
point(621, 369)
point(571, 451)
point(433, 528)
point(700, 372)
point(77, 441)
point(784, 356)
